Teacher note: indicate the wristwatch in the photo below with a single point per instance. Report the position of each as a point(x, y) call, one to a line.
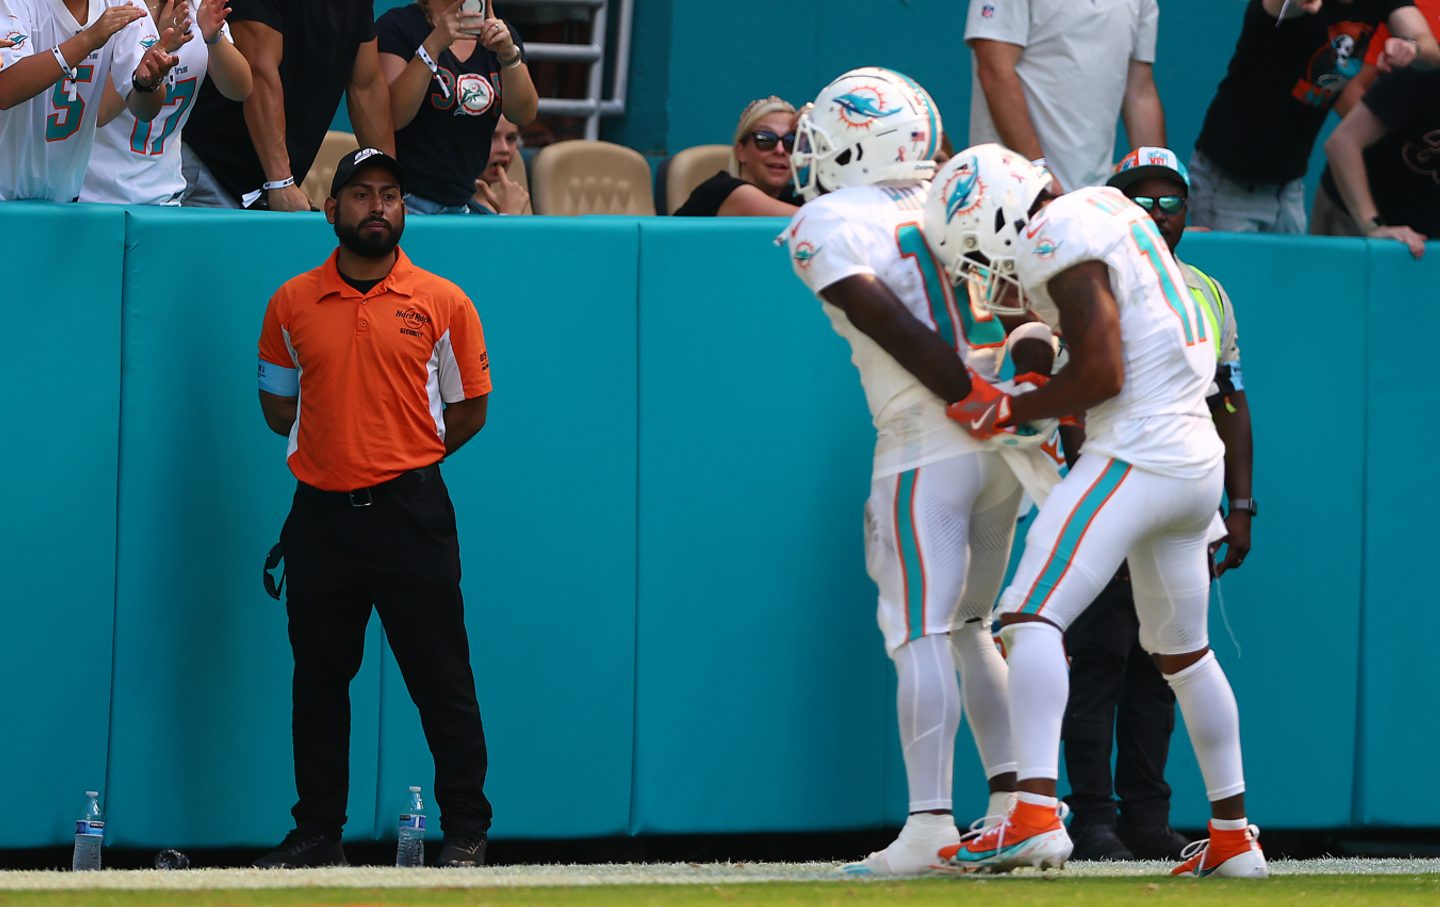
point(1247, 505)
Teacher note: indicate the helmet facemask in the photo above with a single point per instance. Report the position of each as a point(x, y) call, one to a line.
point(812, 146)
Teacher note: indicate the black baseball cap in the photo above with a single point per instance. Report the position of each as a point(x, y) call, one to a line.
point(365, 157)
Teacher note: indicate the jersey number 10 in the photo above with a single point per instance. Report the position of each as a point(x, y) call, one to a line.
point(976, 330)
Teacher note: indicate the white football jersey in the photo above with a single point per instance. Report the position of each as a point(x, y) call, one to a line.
point(878, 230)
point(45, 142)
point(1159, 420)
point(135, 163)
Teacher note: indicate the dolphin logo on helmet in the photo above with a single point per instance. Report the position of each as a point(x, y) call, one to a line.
point(864, 108)
point(868, 126)
point(961, 194)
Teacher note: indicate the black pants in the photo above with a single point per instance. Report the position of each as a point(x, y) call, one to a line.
point(1116, 694)
point(402, 557)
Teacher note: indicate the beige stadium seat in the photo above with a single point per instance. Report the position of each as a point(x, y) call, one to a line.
point(317, 181)
point(517, 172)
point(690, 168)
point(586, 177)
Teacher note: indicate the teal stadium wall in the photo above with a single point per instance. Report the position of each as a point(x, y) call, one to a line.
point(671, 626)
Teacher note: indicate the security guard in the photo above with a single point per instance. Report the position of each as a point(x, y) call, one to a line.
point(375, 370)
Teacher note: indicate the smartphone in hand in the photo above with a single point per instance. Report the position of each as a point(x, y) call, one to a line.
point(473, 8)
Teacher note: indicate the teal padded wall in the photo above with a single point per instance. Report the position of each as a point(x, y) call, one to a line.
point(1399, 621)
point(671, 625)
point(61, 349)
point(1298, 589)
point(202, 667)
point(545, 504)
point(760, 702)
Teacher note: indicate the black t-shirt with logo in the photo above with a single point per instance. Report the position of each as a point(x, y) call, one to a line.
point(321, 38)
point(1282, 80)
point(447, 145)
point(1404, 166)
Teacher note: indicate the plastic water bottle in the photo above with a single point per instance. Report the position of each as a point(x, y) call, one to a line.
point(410, 846)
point(89, 834)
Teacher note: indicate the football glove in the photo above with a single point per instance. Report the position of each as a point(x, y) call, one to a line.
point(981, 411)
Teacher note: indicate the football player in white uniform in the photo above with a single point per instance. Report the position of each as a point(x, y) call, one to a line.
point(137, 163)
point(942, 506)
point(50, 80)
point(1145, 490)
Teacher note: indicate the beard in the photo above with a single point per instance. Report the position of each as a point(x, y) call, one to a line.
point(367, 244)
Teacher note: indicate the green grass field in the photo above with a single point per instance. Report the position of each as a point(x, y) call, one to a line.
point(1312, 891)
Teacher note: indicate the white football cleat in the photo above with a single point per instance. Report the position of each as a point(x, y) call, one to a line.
point(1225, 855)
point(913, 853)
point(992, 846)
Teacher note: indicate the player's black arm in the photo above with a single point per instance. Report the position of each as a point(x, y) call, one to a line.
point(873, 309)
point(463, 420)
point(1090, 322)
point(280, 412)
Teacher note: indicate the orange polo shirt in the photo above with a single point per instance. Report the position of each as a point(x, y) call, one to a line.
point(372, 371)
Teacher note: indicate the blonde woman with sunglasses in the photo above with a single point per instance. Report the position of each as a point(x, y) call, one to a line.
point(757, 183)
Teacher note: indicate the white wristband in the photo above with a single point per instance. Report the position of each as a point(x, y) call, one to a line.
point(429, 62)
point(65, 67)
point(279, 184)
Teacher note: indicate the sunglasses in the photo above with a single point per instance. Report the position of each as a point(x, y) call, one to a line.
point(765, 140)
point(1169, 204)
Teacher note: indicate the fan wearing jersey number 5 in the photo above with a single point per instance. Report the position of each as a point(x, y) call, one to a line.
point(1144, 492)
point(59, 55)
point(137, 163)
point(941, 509)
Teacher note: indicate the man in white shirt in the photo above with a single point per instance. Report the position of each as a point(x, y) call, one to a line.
point(50, 86)
point(1052, 75)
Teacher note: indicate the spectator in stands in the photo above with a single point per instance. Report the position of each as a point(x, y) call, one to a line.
point(1053, 75)
point(1384, 175)
point(495, 191)
point(758, 181)
point(451, 76)
point(303, 56)
point(1117, 694)
point(56, 59)
point(1250, 159)
point(1376, 57)
point(138, 163)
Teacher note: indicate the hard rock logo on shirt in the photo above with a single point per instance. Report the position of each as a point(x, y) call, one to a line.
point(1333, 66)
point(412, 322)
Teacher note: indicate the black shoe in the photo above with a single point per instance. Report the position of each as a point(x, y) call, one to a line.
point(1153, 842)
point(300, 849)
point(1098, 842)
point(463, 852)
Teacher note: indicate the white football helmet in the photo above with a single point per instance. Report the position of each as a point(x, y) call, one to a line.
point(978, 204)
point(868, 126)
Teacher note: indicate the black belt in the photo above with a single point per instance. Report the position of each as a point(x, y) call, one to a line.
point(366, 497)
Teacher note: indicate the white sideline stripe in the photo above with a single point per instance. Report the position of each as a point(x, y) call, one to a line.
point(603, 874)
